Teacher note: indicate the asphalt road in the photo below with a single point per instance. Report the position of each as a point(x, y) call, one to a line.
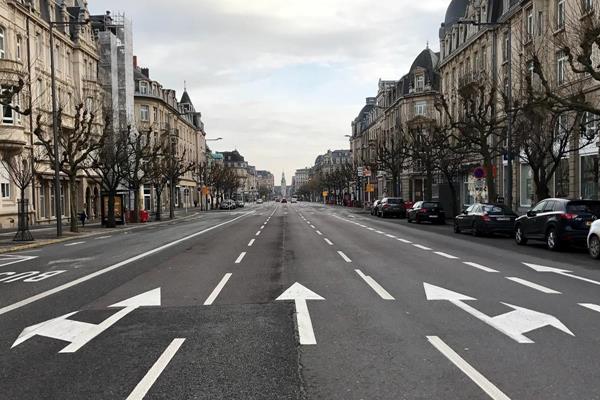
point(298, 301)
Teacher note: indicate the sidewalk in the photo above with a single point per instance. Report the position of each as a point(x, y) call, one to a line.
point(46, 234)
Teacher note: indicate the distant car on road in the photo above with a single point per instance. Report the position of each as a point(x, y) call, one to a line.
point(558, 222)
point(283, 200)
point(227, 205)
point(239, 204)
point(391, 206)
point(430, 211)
point(374, 207)
point(294, 199)
point(259, 201)
point(484, 218)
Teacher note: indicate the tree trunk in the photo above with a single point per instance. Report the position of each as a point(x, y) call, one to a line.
point(395, 185)
point(172, 202)
point(542, 191)
point(489, 179)
point(158, 203)
point(72, 202)
point(110, 213)
point(428, 185)
point(136, 205)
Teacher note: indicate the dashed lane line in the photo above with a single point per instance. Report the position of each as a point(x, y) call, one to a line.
point(390, 236)
point(258, 233)
point(375, 286)
point(73, 244)
point(329, 242)
point(215, 293)
point(250, 243)
point(312, 226)
point(319, 233)
point(593, 307)
point(103, 237)
point(420, 246)
point(404, 241)
point(445, 255)
point(345, 257)
point(142, 388)
point(241, 257)
point(479, 266)
point(532, 285)
point(480, 380)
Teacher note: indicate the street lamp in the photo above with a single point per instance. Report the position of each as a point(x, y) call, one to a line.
point(57, 197)
point(509, 141)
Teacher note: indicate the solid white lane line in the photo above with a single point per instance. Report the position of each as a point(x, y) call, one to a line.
point(345, 257)
point(420, 246)
point(381, 233)
point(215, 293)
point(152, 375)
point(446, 255)
point(241, 257)
point(472, 373)
point(390, 236)
point(250, 243)
point(103, 237)
point(312, 226)
point(93, 275)
point(258, 233)
point(532, 285)
point(404, 241)
point(371, 229)
point(479, 266)
point(328, 241)
point(375, 286)
point(593, 307)
point(319, 233)
point(262, 227)
point(73, 244)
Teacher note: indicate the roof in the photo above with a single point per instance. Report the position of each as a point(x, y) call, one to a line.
point(427, 60)
point(455, 11)
point(185, 98)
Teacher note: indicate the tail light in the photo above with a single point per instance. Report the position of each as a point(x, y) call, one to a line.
point(386, 206)
point(423, 211)
point(486, 218)
point(568, 216)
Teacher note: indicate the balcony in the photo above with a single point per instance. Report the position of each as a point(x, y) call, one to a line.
point(11, 71)
point(471, 78)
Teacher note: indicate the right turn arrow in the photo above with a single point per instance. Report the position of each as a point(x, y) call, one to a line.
point(300, 295)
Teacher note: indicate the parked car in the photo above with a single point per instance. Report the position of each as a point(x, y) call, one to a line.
point(391, 206)
point(593, 240)
point(430, 211)
point(558, 222)
point(283, 201)
point(239, 204)
point(259, 201)
point(484, 218)
point(374, 207)
point(227, 205)
point(294, 199)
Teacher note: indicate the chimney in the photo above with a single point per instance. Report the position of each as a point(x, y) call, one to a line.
point(146, 72)
point(135, 62)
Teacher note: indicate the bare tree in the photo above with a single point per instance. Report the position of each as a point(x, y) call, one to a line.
point(390, 156)
point(76, 144)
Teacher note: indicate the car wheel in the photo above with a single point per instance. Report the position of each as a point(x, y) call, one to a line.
point(456, 228)
point(594, 247)
point(520, 236)
point(552, 240)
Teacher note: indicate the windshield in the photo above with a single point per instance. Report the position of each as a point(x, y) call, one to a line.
point(584, 208)
point(395, 201)
point(432, 205)
point(497, 210)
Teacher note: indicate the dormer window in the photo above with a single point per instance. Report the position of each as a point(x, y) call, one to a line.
point(419, 82)
point(143, 87)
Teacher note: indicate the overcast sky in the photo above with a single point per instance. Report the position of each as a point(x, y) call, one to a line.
point(279, 80)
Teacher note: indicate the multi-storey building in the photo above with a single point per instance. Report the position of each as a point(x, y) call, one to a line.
point(265, 179)
point(301, 177)
point(25, 54)
point(157, 109)
point(233, 159)
point(332, 160)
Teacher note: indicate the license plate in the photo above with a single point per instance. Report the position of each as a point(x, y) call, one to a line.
point(503, 219)
point(433, 216)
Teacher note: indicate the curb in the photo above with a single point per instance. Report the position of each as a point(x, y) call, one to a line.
point(35, 245)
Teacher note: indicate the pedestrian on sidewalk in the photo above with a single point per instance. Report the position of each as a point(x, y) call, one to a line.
point(82, 217)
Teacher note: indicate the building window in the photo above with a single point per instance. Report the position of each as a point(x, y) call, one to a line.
point(5, 189)
point(561, 63)
point(63, 205)
point(420, 108)
point(589, 177)
point(2, 43)
point(143, 87)
point(19, 48)
point(145, 113)
point(69, 63)
point(587, 5)
point(560, 14)
point(420, 83)
point(6, 111)
point(526, 187)
point(540, 23)
point(530, 23)
point(42, 200)
point(39, 46)
point(531, 71)
point(505, 48)
point(89, 104)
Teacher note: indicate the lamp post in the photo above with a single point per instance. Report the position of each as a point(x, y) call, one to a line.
point(509, 139)
point(57, 188)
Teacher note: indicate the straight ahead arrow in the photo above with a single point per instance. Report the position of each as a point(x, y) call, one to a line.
point(300, 294)
point(513, 324)
point(558, 271)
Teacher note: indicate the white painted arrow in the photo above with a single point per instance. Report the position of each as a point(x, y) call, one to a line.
point(558, 271)
point(79, 333)
point(300, 295)
point(513, 323)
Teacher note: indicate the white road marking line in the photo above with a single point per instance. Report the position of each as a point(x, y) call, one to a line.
point(479, 266)
point(258, 233)
point(390, 236)
point(152, 375)
point(371, 229)
point(420, 246)
point(113, 267)
point(329, 242)
point(250, 243)
point(472, 373)
point(215, 293)
point(446, 255)
point(262, 227)
point(381, 233)
point(532, 285)
point(345, 257)
point(241, 257)
point(319, 233)
point(404, 241)
point(375, 286)
point(103, 237)
point(312, 226)
point(593, 307)
point(73, 244)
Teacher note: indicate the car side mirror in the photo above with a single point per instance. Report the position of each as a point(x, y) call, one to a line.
point(531, 213)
